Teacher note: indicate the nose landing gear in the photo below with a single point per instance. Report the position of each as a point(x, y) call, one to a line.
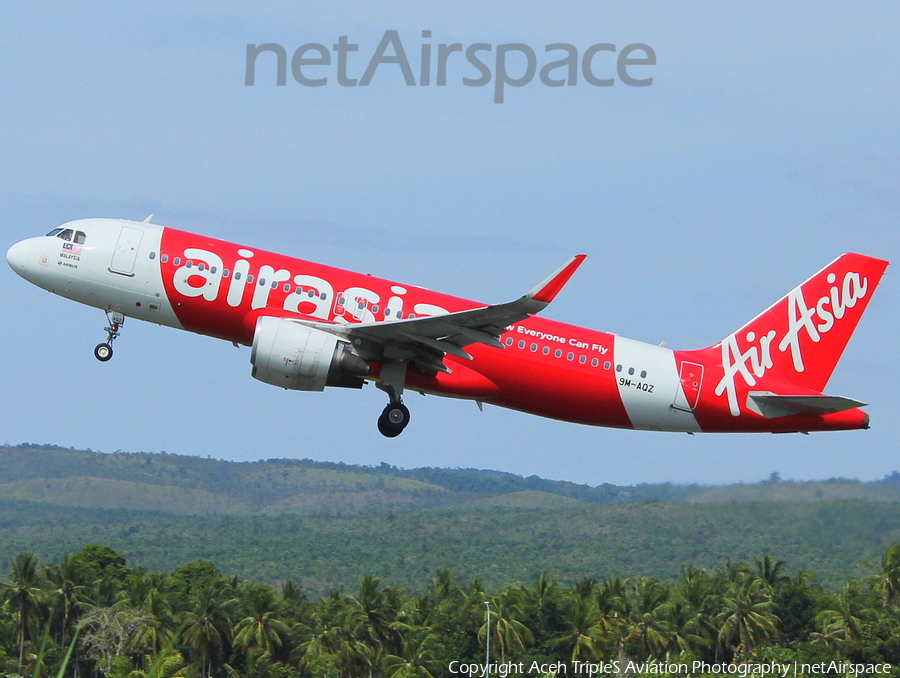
point(104, 352)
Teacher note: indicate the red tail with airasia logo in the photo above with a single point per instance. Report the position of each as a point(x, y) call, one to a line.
point(779, 363)
point(313, 326)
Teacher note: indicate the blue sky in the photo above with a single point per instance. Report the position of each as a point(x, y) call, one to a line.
point(766, 146)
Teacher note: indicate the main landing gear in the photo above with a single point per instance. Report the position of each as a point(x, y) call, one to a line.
point(393, 419)
point(104, 352)
point(395, 416)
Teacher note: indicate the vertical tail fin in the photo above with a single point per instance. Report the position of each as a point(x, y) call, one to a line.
point(802, 336)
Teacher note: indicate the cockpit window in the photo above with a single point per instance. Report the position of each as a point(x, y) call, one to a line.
point(66, 235)
point(55, 231)
point(80, 237)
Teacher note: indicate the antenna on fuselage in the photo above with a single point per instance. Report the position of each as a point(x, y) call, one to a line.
point(148, 219)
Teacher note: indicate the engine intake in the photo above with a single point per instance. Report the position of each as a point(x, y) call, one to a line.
point(294, 356)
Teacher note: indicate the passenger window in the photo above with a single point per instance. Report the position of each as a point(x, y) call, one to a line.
point(630, 371)
point(237, 275)
point(607, 365)
point(509, 341)
point(400, 315)
point(546, 350)
point(533, 348)
point(375, 308)
point(153, 255)
point(387, 312)
point(595, 362)
point(250, 279)
point(212, 269)
point(311, 292)
point(582, 359)
point(226, 272)
point(164, 258)
point(262, 281)
point(287, 287)
point(189, 263)
point(274, 284)
point(618, 368)
point(643, 374)
point(571, 356)
point(201, 266)
point(79, 238)
point(521, 343)
point(412, 315)
point(558, 353)
point(177, 261)
point(323, 296)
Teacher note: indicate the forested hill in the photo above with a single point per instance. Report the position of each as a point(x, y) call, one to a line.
point(186, 485)
point(325, 524)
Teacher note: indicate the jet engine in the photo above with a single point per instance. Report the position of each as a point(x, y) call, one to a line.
point(294, 356)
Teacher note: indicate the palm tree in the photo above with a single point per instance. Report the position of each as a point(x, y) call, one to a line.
point(379, 608)
point(842, 620)
point(648, 610)
point(583, 630)
point(64, 594)
point(332, 640)
point(699, 592)
point(770, 571)
point(508, 634)
point(746, 618)
point(417, 658)
point(261, 632)
point(23, 588)
point(886, 577)
point(206, 626)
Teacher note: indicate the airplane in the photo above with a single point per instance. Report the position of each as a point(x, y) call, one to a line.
point(312, 326)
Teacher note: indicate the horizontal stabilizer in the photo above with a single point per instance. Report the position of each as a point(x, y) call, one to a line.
point(770, 405)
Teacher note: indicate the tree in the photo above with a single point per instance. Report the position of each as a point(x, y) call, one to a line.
point(582, 630)
point(63, 592)
point(841, 621)
point(23, 587)
point(261, 632)
point(97, 561)
point(107, 632)
point(746, 619)
point(886, 577)
point(206, 626)
point(508, 634)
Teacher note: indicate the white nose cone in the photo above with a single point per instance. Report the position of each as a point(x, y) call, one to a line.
point(17, 256)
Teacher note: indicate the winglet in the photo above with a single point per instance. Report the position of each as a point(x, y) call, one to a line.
point(549, 288)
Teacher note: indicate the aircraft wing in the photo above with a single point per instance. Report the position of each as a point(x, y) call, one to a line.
point(426, 340)
point(770, 405)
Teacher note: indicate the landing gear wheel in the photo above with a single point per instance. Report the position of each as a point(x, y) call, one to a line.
point(393, 420)
point(103, 352)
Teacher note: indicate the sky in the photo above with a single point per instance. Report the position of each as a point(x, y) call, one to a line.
point(766, 145)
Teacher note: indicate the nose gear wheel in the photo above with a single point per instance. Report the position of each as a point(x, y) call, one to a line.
point(104, 351)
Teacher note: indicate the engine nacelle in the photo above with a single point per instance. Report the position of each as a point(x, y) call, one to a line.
point(294, 356)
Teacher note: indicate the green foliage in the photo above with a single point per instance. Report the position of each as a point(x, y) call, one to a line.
point(237, 629)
